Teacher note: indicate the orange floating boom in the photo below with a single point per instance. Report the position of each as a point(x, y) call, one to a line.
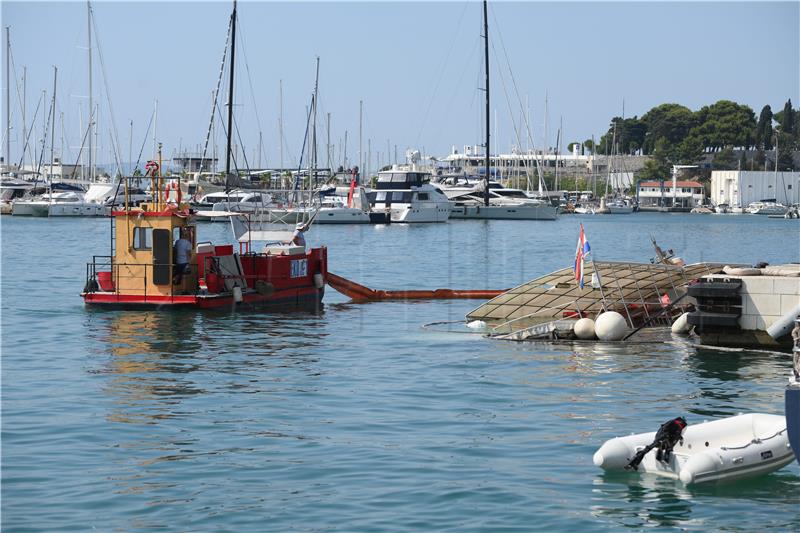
point(361, 293)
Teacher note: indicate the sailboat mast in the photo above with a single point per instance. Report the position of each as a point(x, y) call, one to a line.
point(8, 98)
point(313, 177)
point(53, 124)
point(486, 66)
point(230, 102)
point(89, 152)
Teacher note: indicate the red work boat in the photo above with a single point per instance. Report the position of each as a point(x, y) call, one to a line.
point(142, 270)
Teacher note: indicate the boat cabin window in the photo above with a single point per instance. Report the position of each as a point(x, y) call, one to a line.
point(510, 194)
point(176, 233)
point(256, 198)
point(142, 238)
point(423, 196)
point(401, 197)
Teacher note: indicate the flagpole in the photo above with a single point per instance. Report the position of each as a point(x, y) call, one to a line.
point(600, 283)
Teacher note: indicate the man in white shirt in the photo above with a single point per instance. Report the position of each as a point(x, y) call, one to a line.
point(298, 237)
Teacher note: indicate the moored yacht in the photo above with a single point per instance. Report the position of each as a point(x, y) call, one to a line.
point(12, 189)
point(58, 202)
point(504, 204)
point(236, 201)
point(617, 206)
point(767, 208)
point(408, 196)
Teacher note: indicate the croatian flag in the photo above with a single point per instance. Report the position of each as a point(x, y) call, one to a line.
point(580, 253)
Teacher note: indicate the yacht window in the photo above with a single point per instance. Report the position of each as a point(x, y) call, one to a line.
point(255, 199)
point(400, 196)
point(142, 238)
point(423, 196)
point(398, 178)
point(380, 196)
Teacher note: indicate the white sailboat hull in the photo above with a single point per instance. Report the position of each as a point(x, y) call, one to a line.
point(732, 448)
point(341, 215)
point(77, 209)
point(30, 209)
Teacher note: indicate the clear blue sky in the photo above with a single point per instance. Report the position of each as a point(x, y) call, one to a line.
point(416, 66)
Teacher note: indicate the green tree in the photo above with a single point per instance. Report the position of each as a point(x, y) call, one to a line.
point(724, 159)
point(689, 151)
point(787, 126)
point(657, 167)
point(764, 129)
point(785, 152)
point(758, 160)
point(629, 135)
point(725, 123)
point(670, 122)
point(589, 144)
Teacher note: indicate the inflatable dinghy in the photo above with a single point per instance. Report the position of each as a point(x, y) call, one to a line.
point(728, 449)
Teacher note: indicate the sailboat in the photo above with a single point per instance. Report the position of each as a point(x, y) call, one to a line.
point(613, 205)
point(488, 202)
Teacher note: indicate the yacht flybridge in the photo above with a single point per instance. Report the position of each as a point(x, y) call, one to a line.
point(142, 270)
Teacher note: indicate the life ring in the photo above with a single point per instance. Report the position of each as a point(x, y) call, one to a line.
point(173, 186)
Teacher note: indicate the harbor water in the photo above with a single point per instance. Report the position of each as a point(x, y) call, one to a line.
point(359, 418)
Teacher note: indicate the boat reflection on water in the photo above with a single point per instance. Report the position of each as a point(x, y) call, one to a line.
point(633, 500)
point(159, 359)
point(152, 355)
point(202, 391)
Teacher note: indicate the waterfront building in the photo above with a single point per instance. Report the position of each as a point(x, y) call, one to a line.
point(471, 160)
point(670, 195)
point(743, 187)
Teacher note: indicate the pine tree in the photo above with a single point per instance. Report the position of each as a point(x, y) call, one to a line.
point(788, 118)
point(764, 129)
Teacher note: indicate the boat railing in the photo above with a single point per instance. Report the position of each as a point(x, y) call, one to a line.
point(104, 275)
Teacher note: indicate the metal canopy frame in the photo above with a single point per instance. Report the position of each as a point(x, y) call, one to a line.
point(632, 289)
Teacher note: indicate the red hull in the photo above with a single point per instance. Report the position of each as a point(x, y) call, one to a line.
point(302, 297)
point(286, 281)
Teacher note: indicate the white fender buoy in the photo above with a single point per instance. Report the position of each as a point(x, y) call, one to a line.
point(610, 326)
point(237, 294)
point(476, 324)
point(681, 325)
point(584, 328)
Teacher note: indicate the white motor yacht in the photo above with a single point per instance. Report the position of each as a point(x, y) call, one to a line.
point(235, 201)
point(12, 189)
point(58, 204)
point(408, 196)
point(335, 209)
point(617, 206)
point(504, 204)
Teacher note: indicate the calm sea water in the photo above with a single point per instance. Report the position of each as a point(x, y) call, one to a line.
point(360, 419)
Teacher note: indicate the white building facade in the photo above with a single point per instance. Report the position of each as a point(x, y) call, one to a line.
point(739, 188)
point(677, 195)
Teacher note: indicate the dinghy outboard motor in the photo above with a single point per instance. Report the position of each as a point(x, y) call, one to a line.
point(667, 437)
